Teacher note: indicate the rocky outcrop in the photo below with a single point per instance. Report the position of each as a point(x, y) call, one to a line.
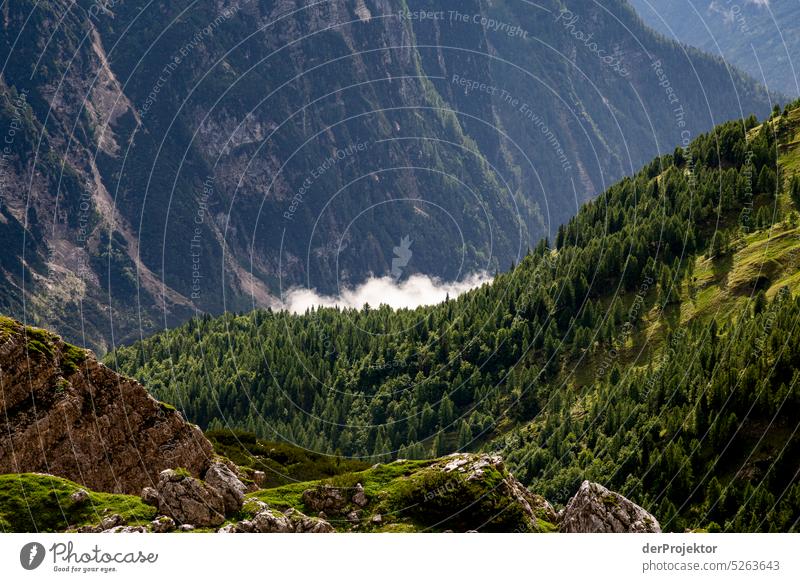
point(595, 509)
point(222, 479)
point(327, 499)
point(66, 414)
point(113, 523)
point(163, 524)
point(476, 468)
point(191, 501)
point(267, 520)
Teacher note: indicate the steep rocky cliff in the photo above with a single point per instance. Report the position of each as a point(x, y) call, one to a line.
point(68, 415)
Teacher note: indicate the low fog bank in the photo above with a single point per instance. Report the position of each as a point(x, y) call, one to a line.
point(415, 291)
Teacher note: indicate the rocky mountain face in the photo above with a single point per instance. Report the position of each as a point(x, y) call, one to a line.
point(759, 37)
point(164, 157)
point(68, 415)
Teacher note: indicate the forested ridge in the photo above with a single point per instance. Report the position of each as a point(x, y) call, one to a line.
point(651, 347)
point(170, 156)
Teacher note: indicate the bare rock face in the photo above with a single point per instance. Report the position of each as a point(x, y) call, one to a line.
point(110, 524)
point(595, 509)
point(188, 500)
point(127, 529)
point(259, 478)
point(68, 415)
point(220, 477)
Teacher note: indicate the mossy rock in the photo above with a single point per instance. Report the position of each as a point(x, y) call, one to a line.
point(182, 473)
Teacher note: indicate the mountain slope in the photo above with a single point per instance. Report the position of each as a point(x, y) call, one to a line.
point(169, 157)
point(664, 315)
point(760, 38)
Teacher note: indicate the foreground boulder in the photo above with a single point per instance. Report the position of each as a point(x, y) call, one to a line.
point(483, 469)
point(595, 509)
point(66, 414)
point(190, 501)
point(221, 478)
point(186, 500)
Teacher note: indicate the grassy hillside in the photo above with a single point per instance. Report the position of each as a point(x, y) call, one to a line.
point(652, 348)
point(280, 462)
point(31, 502)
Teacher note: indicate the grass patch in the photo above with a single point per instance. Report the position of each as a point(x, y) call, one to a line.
point(282, 464)
point(182, 473)
point(71, 358)
point(166, 407)
point(8, 327)
point(31, 502)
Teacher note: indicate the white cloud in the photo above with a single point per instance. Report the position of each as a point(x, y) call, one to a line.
point(415, 291)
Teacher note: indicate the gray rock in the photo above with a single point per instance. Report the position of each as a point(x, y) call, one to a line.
point(377, 519)
point(188, 500)
point(325, 498)
point(267, 521)
point(231, 489)
point(80, 497)
point(186, 527)
point(229, 528)
point(360, 498)
point(595, 509)
point(259, 478)
point(354, 516)
point(163, 524)
point(477, 467)
point(126, 529)
point(291, 521)
point(150, 496)
point(244, 526)
point(111, 521)
point(311, 525)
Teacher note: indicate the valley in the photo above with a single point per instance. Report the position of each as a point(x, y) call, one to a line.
point(172, 158)
point(650, 348)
